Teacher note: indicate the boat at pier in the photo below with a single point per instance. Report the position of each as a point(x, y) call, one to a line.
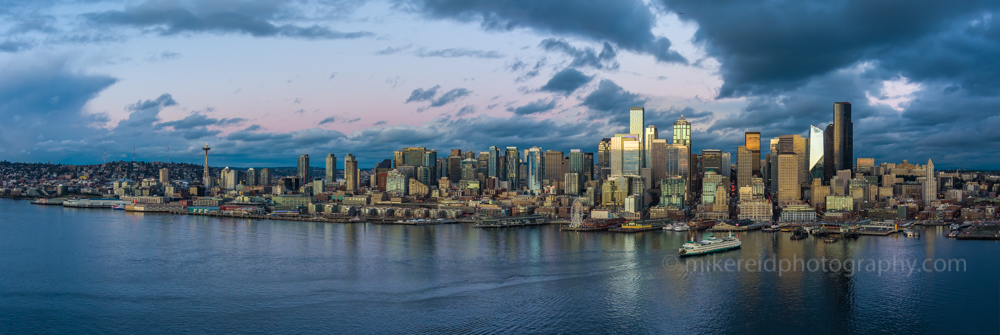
point(701, 224)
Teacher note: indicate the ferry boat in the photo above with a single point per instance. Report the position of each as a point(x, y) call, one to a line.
point(118, 207)
point(710, 245)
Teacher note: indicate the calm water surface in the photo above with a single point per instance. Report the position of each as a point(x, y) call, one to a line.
point(99, 271)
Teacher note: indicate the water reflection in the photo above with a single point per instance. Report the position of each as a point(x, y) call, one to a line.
point(65, 267)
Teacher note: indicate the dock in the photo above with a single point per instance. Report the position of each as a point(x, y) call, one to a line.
point(981, 231)
point(514, 221)
point(583, 228)
point(725, 227)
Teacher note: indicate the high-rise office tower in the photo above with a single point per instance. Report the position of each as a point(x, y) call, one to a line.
point(206, 178)
point(843, 136)
point(483, 164)
point(495, 161)
point(251, 177)
point(816, 141)
point(266, 177)
point(552, 163)
point(469, 168)
point(431, 162)
point(413, 156)
point(351, 173)
point(829, 167)
point(657, 160)
point(631, 156)
point(535, 171)
point(772, 166)
point(682, 136)
point(637, 127)
point(397, 159)
point(744, 166)
point(726, 165)
point(604, 159)
point(752, 142)
point(650, 135)
point(455, 166)
point(930, 184)
point(578, 169)
point(331, 168)
point(588, 169)
point(711, 160)
point(165, 176)
point(788, 177)
point(513, 157)
point(304, 173)
point(682, 132)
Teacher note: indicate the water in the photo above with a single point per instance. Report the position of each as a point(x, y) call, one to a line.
point(99, 271)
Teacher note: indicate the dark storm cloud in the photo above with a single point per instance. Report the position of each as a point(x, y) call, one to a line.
point(626, 23)
point(253, 18)
point(566, 81)
point(612, 99)
point(774, 46)
point(584, 57)
point(534, 107)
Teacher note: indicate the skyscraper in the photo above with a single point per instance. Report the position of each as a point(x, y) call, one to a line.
point(533, 159)
point(829, 167)
point(930, 184)
point(816, 141)
point(495, 161)
point(744, 166)
point(455, 166)
point(682, 132)
point(647, 143)
point(711, 160)
point(682, 136)
point(726, 164)
point(265, 177)
point(552, 166)
point(351, 172)
point(397, 159)
point(251, 177)
point(843, 136)
point(752, 142)
point(631, 156)
point(637, 127)
point(657, 161)
point(513, 157)
point(413, 156)
point(604, 159)
point(431, 162)
point(331, 168)
point(165, 176)
point(304, 173)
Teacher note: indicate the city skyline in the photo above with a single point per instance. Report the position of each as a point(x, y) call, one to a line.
point(78, 75)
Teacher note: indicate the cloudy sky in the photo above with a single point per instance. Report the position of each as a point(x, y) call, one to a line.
point(264, 81)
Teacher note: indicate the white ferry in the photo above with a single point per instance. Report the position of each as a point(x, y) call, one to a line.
point(710, 245)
